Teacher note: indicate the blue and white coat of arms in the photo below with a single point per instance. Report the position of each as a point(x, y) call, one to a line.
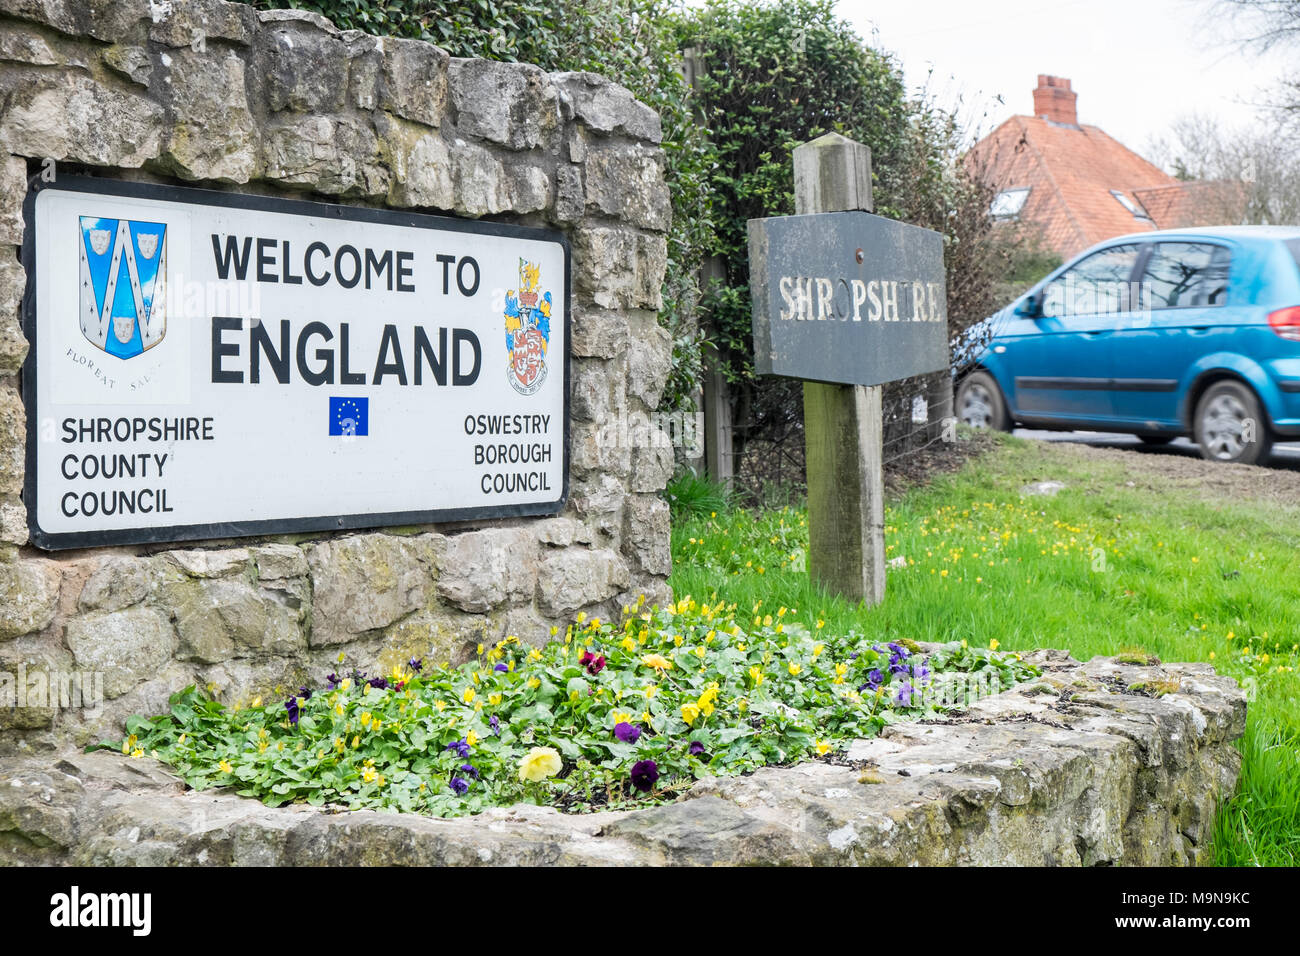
point(123, 284)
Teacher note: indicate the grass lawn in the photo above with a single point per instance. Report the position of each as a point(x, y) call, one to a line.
point(1131, 554)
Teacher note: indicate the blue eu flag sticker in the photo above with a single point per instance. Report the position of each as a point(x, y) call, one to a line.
point(349, 416)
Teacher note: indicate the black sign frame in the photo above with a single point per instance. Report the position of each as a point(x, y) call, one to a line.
point(276, 526)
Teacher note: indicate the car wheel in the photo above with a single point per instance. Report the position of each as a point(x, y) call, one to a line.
point(1156, 439)
point(1230, 425)
point(980, 403)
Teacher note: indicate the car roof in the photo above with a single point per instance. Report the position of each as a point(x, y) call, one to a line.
point(1239, 233)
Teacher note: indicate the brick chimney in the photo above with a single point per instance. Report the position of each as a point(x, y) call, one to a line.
point(1054, 100)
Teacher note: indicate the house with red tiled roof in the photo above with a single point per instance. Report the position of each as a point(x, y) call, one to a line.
point(1074, 185)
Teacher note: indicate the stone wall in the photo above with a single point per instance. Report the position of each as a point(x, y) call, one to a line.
point(1084, 767)
point(283, 103)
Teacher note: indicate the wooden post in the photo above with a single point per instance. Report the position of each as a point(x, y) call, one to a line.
point(842, 423)
point(718, 454)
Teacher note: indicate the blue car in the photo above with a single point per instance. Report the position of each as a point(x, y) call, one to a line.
point(1178, 332)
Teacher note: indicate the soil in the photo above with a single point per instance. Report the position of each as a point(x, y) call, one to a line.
point(1209, 480)
point(923, 465)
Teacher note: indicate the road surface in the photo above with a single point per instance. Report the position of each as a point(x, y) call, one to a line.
point(1283, 456)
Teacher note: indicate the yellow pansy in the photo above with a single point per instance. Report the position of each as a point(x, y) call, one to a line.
point(539, 763)
point(657, 661)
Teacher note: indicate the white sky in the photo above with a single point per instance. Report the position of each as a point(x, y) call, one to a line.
point(1137, 65)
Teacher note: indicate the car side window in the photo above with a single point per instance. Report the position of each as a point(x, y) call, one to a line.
point(1096, 286)
point(1180, 275)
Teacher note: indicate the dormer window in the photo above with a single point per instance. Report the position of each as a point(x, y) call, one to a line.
point(1008, 203)
point(1134, 209)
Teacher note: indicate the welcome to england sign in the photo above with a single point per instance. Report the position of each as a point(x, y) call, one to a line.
point(210, 364)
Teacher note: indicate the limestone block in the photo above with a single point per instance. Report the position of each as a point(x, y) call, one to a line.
point(13, 344)
point(13, 190)
point(128, 646)
point(20, 43)
point(303, 69)
point(13, 438)
point(479, 180)
point(619, 268)
point(29, 595)
point(570, 200)
point(336, 156)
point(530, 188)
point(591, 389)
point(421, 165)
point(607, 107)
point(122, 580)
point(213, 135)
point(652, 462)
point(71, 116)
point(107, 20)
point(600, 448)
point(647, 537)
point(649, 359)
point(365, 582)
point(132, 62)
point(220, 618)
point(13, 520)
point(597, 333)
point(413, 80)
point(627, 182)
point(277, 562)
point(513, 104)
point(194, 22)
point(575, 578)
point(484, 569)
point(209, 563)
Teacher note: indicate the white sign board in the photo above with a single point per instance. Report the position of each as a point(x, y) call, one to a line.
point(209, 364)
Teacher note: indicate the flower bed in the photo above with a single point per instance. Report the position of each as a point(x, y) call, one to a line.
point(609, 714)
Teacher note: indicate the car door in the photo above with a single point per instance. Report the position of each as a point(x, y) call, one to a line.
point(1183, 287)
point(1060, 368)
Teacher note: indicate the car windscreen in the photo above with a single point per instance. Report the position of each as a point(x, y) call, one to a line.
point(1294, 246)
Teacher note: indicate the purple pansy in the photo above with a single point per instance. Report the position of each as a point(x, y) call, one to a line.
point(627, 732)
point(459, 785)
point(644, 774)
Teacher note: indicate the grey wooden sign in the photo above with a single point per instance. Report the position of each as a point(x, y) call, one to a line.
point(847, 297)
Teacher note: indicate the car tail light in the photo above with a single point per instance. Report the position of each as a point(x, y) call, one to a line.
point(1286, 323)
